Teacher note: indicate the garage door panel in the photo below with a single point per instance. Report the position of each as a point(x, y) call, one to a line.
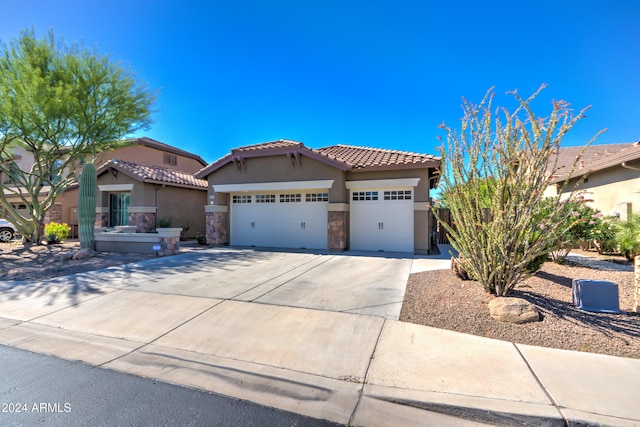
point(382, 225)
point(280, 224)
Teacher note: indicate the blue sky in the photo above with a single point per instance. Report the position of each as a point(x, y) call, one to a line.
point(371, 73)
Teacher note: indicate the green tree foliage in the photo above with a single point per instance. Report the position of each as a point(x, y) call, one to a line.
point(62, 104)
point(496, 170)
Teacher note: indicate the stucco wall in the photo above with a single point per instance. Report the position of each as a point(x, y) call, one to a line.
point(611, 187)
point(149, 156)
point(184, 206)
point(277, 169)
point(421, 191)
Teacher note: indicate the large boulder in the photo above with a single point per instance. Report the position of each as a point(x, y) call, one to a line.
point(513, 310)
point(84, 253)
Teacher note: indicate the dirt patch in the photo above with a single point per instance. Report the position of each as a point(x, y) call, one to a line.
point(441, 300)
point(39, 262)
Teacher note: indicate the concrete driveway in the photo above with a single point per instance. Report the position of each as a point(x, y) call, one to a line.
point(350, 282)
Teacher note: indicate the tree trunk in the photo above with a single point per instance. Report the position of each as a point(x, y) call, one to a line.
point(37, 236)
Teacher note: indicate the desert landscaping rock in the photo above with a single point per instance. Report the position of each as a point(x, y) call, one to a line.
point(84, 253)
point(513, 310)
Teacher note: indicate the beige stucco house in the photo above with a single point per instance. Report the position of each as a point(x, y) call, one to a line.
point(284, 194)
point(610, 175)
point(130, 178)
point(142, 195)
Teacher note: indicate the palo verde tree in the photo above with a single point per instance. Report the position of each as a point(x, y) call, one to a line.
point(496, 170)
point(62, 105)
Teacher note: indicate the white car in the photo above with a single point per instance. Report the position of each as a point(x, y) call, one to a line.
point(7, 231)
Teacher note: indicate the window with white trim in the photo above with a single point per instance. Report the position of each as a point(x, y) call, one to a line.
point(317, 197)
point(265, 198)
point(290, 198)
point(242, 198)
point(365, 195)
point(397, 195)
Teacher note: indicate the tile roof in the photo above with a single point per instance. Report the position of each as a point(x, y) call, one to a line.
point(359, 158)
point(281, 143)
point(154, 174)
point(592, 158)
point(343, 157)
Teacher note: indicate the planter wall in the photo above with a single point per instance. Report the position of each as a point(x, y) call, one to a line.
point(166, 240)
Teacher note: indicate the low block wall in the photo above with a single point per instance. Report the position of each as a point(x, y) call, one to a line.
point(166, 239)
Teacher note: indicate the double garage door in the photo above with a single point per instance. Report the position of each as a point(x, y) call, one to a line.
point(380, 220)
point(280, 220)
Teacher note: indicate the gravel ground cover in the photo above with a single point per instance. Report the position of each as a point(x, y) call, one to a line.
point(441, 300)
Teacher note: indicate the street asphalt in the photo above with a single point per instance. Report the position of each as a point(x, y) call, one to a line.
point(37, 389)
point(313, 333)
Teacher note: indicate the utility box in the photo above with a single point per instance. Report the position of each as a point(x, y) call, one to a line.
point(600, 296)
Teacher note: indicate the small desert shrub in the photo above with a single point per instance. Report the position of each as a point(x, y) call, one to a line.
point(56, 233)
point(164, 222)
point(201, 239)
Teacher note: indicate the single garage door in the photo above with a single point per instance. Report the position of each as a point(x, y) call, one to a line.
point(280, 220)
point(382, 220)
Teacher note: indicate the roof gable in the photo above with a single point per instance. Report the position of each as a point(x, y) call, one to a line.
point(153, 174)
point(343, 157)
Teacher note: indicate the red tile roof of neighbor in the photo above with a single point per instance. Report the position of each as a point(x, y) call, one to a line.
point(343, 157)
point(154, 174)
point(592, 158)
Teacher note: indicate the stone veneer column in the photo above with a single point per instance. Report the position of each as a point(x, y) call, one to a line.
point(54, 214)
point(217, 224)
point(337, 220)
point(169, 241)
point(102, 217)
point(143, 218)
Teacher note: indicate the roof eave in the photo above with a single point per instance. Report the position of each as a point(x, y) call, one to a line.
point(427, 165)
point(174, 184)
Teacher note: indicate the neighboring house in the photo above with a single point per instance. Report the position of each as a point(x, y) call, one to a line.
point(283, 194)
point(142, 195)
point(160, 158)
point(610, 174)
point(157, 157)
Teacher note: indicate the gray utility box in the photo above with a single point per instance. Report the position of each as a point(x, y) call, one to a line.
point(596, 295)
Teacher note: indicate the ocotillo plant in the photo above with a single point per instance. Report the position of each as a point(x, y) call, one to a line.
point(496, 171)
point(87, 205)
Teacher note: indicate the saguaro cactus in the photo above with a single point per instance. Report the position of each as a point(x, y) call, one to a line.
point(87, 205)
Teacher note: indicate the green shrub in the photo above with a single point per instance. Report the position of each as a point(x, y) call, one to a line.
point(628, 236)
point(604, 234)
point(201, 239)
point(164, 222)
point(579, 223)
point(56, 233)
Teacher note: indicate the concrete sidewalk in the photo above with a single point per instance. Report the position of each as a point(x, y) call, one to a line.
point(347, 367)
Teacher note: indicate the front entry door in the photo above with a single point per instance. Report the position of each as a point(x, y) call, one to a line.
point(119, 209)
